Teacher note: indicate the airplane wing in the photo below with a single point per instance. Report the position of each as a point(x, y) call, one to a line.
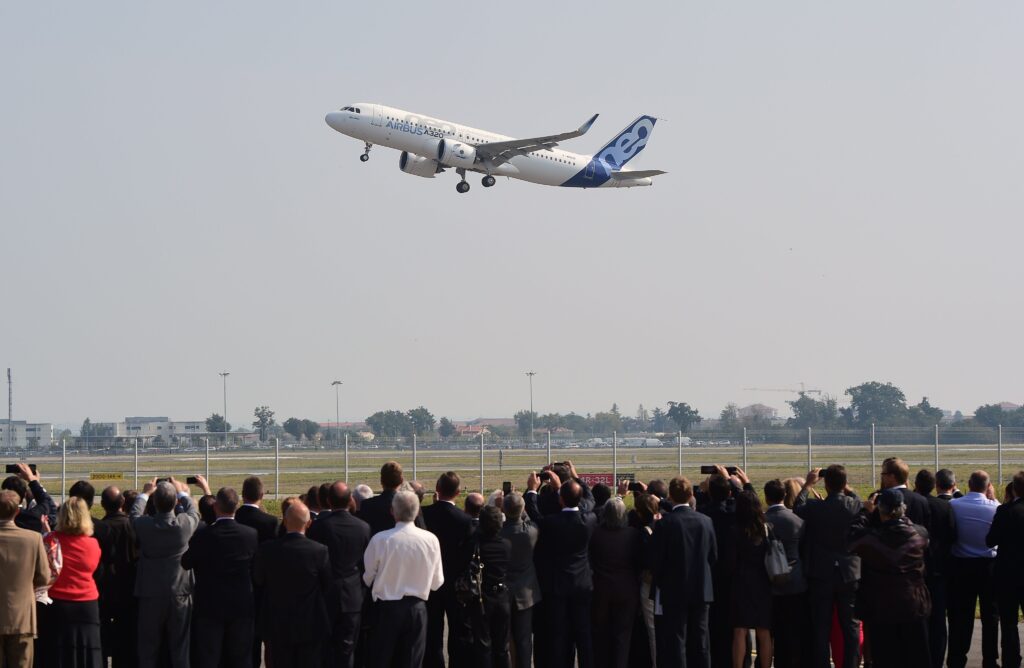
point(638, 174)
point(501, 151)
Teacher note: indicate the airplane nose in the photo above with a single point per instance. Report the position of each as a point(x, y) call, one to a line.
point(335, 119)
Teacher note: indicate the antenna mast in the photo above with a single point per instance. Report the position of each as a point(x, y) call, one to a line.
point(10, 411)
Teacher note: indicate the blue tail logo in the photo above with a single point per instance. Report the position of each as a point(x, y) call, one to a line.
point(628, 144)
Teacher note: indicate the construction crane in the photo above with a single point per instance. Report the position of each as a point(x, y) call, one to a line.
point(803, 389)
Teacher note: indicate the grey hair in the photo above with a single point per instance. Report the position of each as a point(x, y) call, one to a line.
point(613, 515)
point(362, 493)
point(513, 506)
point(405, 506)
point(164, 497)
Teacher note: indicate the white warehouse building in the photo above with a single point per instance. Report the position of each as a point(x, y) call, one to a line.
point(21, 434)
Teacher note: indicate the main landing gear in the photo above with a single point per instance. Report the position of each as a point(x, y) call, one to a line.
point(487, 181)
point(366, 154)
point(463, 185)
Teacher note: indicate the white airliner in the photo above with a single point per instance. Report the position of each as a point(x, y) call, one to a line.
point(429, 146)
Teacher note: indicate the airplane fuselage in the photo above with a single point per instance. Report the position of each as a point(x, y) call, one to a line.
point(420, 136)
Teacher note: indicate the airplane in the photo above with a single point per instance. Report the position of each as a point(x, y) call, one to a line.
point(429, 146)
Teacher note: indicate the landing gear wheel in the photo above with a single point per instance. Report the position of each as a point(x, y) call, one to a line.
point(364, 157)
point(462, 186)
point(366, 152)
point(488, 181)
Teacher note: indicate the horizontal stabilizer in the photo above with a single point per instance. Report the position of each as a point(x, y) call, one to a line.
point(638, 174)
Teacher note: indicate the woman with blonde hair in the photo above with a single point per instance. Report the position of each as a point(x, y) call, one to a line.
point(69, 627)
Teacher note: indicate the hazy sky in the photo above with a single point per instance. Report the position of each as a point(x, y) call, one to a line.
point(843, 204)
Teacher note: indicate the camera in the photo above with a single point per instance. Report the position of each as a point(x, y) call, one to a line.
point(544, 476)
point(636, 487)
point(506, 488)
point(13, 468)
point(191, 480)
point(709, 470)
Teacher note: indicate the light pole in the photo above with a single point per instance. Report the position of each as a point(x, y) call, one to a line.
point(337, 411)
point(224, 375)
point(530, 375)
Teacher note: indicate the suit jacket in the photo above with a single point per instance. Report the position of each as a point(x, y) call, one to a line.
point(942, 534)
point(827, 536)
point(32, 518)
point(453, 529)
point(162, 539)
point(293, 574)
point(23, 566)
point(1007, 532)
point(376, 511)
point(789, 529)
point(264, 523)
point(683, 552)
point(723, 521)
point(562, 558)
point(548, 503)
point(221, 557)
point(918, 510)
point(521, 578)
point(346, 537)
point(615, 561)
point(115, 577)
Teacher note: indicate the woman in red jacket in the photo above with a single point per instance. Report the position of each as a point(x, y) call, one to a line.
point(69, 627)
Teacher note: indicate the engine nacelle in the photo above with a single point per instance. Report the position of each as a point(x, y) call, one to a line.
point(455, 153)
point(417, 165)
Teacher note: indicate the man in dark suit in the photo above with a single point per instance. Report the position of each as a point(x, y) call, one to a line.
point(26, 484)
point(453, 529)
point(719, 505)
point(163, 588)
point(563, 547)
point(376, 511)
point(1007, 533)
point(294, 574)
point(832, 572)
point(941, 536)
point(894, 475)
point(221, 557)
point(683, 553)
point(346, 537)
point(548, 501)
point(116, 580)
point(945, 485)
point(789, 601)
point(251, 515)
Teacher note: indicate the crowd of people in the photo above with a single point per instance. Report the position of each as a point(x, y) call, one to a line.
point(559, 575)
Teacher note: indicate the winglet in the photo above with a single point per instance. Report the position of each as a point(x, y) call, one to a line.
point(586, 126)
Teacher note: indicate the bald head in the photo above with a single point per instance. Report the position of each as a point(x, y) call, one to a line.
point(475, 503)
point(296, 518)
point(339, 496)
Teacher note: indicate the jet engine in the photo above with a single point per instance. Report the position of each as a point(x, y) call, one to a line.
point(417, 165)
point(455, 154)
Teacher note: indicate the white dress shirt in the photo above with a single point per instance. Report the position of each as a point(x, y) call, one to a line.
point(974, 513)
point(404, 561)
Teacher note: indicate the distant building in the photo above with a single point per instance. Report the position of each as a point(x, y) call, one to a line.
point(471, 430)
point(348, 426)
point(1008, 406)
point(757, 412)
point(151, 427)
point(492, 422)
point(21, 434)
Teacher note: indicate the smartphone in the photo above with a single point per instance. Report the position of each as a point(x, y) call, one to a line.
point(191, 480)
point(506, 487)
point(544, 476)
point(636, 487)
point(160, 480)
point(708, 470)
point(13, 468)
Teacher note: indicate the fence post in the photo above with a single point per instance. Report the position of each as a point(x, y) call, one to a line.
point(63, 466)
point(744, 448)
point(809, 464)
point(414, 462)
point(936, 447)
point(346, 458)
point(999, 454)
point(136, 462)
point(549, 448)
point(277, 468)
point(874, 477)
point(207, 439)
point(679, 443)
point(481, 462)
point(615, 455)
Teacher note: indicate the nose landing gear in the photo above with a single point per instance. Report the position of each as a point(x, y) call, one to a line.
point(487, 181)
point(366, 154)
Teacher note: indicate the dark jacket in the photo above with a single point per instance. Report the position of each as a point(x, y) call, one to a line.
point(495, 554)
point(376, 511)
point(615, 560)
point(918, 511)
point(293, 574)
point(346, 537)
point(548, 503)
point(221, 557)
point(1007, 532)
point(521, 578)
point(683, 552)
point(264, 523)
point(941, 536)
point(892, 588)
point(788, 528)
point(561, 557)
point(723, 521)
point(116, 576)
point(453, 529)
point(827, 536)
point(32, 518)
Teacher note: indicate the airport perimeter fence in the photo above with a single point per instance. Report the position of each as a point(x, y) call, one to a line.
point(485, 462)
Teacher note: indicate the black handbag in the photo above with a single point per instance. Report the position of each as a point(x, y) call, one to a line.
point(469, 587)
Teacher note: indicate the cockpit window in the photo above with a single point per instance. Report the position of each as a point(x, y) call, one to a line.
point(357, 111)
point(346, 108)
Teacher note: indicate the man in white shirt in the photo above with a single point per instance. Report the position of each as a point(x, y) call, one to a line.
point(970, 580)
point(403, 565)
